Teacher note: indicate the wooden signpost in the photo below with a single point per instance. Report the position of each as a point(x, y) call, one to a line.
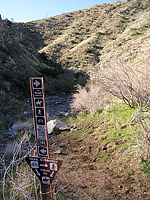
point(39, 116)
point(44, 167)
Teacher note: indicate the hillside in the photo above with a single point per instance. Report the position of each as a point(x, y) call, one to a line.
point(19, 60)
point(97, 34)
point(76, 40)
point(69, 46)
point(106, 154)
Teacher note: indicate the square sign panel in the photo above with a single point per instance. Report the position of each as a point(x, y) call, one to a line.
point(38, 103)
point(37, 83)
point(37, 92)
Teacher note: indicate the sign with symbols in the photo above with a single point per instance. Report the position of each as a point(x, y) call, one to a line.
point(39, 115)
point(45, 169)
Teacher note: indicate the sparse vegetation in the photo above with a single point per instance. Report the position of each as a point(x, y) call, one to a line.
point(145, 168)
point(108, 44)
point(128, 84)
point(88, 99)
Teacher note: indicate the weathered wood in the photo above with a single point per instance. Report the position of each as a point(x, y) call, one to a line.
point(46, 192)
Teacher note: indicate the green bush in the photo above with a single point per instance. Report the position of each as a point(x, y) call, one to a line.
point(54, 69)
point(145, 168)
point(51, 71)
point(64, 86)
point(89, 50)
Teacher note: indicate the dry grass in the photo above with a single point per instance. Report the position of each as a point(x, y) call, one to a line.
point(18, 181)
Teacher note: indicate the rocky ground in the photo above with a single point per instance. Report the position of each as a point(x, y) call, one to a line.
point(57, 107)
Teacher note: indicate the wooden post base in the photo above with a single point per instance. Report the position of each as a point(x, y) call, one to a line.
point(46, 192)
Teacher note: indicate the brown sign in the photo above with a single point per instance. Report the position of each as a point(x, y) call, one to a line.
point(45, 169)
point(39, 115)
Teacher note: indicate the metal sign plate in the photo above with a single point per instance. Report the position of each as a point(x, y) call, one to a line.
point(45, 169)
point(39, 115)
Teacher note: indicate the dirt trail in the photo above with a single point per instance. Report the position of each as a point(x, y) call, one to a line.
point(83, 177)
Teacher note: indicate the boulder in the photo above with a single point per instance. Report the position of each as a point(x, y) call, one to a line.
point(57, 126)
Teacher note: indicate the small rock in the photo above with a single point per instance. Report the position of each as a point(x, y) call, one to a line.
point(58, 103)
point(25, 112)
point(63, 146)
point(28, 125)
point(90, 149)
point(104, 148)
point(124, 126)
point(58, 152)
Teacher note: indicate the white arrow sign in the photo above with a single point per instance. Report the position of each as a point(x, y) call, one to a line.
point(52, 174)
point(36, 83)
point(37, 172)
point(44, 165)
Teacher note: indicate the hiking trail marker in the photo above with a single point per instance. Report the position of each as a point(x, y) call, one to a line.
point(43, 166)
point(45, 169)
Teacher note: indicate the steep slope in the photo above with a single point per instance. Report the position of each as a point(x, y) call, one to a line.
point(19, 57)
point(87, 37)
point(81, 40)
point(19, 60)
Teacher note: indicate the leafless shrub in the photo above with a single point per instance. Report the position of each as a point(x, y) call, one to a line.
point(18, 181)
point(143, 136)
point(131, 85)
point(88, 99)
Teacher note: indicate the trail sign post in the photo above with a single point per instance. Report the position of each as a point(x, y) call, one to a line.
point(39, 116)
point(44, 167)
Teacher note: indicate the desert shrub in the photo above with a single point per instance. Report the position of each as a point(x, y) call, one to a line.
point(18, 82)
point(10, 106)
point(50, 71)
point(89, 50)
point(17, 179)
point(132, 85)
point(7, 74)
point(73, 42)
point(81, 78)
point(54, 69)
point(63, 83)
point(143, 135)
point(87, 99)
